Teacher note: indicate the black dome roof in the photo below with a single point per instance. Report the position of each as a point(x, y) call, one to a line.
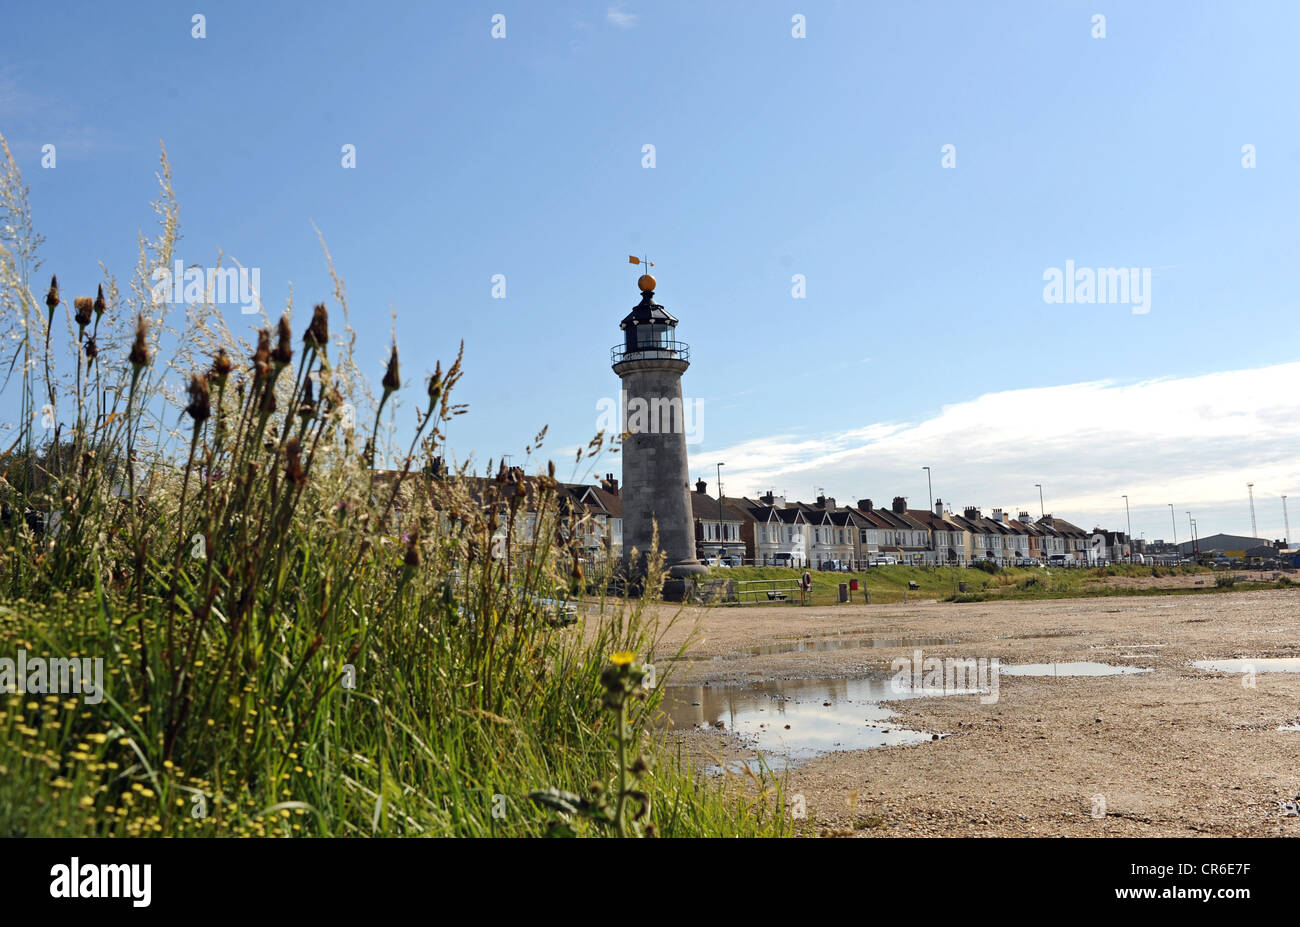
point(648, 312)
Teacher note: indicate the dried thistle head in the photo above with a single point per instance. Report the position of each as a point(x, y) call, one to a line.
point(307, 407)
point(92, 349)
point(293, 469)
point(318, 332)
point(100, 306)
point(262, 356)
point(139, 356)
point(221, 367)
point(52, 297)
point(283, 352)
point(392, 378)
point(200, 407)
point(83, 305)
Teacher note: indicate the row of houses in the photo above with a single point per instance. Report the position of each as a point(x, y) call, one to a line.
point(770, 530)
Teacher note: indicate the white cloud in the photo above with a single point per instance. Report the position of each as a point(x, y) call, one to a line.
point(617, 18)
point(1191, 441)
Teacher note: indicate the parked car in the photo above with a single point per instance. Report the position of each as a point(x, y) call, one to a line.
point(883, 560)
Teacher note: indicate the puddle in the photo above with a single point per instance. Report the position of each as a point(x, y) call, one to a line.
point(814, 645)
point(847, 643)
point(789, 720)
point(1025, 637)
point(1262, 665)
point(1078, 668)
point(1289, 727)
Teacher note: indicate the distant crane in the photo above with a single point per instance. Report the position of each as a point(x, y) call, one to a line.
point(1250, 488)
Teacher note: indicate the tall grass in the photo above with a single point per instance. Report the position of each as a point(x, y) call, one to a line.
point(295, 643)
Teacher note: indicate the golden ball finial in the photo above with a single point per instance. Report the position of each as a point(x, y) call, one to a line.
point(646, 283)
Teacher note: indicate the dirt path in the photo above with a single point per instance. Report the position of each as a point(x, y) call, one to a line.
point(1176, 751)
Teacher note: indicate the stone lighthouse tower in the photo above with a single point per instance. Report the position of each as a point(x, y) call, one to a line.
point(650, 362)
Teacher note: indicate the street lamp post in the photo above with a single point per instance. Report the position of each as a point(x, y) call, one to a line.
point(1042, 509)
point(930, 486)
point(1129, 520)
point(723, 547)
point(1286, 522)
point(1174, 524)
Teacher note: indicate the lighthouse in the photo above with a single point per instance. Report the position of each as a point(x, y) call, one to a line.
point(650, 362)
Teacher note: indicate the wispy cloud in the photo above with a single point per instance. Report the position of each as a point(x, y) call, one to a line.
point(31, 121)
point(615, 16)
point(1191, 441)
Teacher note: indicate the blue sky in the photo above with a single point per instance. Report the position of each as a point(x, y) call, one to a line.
point(924, 337)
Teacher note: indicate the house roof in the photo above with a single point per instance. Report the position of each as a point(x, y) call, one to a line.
point(705, 508)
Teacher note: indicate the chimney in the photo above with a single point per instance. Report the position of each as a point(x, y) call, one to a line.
point(1023, 518)
point(864, 504)
point(829, 503)
point(701, 486)
point(609, 484)
point(821, 502)
point(972, 512)
point(997, 516)
point(900, 504)
point(938, 507)
point(767, 498)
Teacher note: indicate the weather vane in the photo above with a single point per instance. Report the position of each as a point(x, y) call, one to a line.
point(647, 282)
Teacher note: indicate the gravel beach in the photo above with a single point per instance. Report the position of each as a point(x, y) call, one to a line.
point(1175, 751)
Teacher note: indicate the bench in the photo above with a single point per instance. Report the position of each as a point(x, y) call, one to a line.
point(756, 591)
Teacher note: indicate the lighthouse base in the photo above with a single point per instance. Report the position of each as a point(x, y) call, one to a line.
point(683, 578)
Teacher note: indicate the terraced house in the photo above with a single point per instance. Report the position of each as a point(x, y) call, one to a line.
point(778, 531)
point(831, 532)
point(719, 528)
